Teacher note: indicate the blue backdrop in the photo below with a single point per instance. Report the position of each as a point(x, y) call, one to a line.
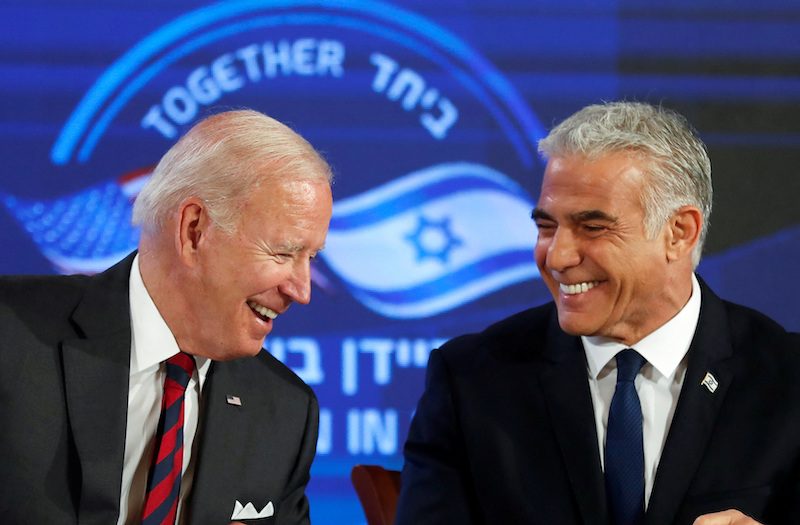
point(429, 113)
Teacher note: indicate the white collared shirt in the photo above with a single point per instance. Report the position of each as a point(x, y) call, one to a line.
point(658, 384)
point(152, 343)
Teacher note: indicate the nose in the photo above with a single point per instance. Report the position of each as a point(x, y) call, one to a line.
point(563, 252)
point(298, 286)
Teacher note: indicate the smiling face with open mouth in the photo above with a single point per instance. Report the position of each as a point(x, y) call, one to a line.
point(244, 280)
point(606, 276)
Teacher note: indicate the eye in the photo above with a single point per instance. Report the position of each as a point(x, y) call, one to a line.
point(545, 229)
point(594, 228)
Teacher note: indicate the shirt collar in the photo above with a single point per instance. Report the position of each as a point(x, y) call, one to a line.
point(664, 348)
point(151, 339)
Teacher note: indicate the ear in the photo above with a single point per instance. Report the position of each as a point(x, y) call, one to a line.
point(683, 232)
point(192, 228)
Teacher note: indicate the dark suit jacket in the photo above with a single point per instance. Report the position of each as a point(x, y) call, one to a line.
point(505, 431)
point(64, 366)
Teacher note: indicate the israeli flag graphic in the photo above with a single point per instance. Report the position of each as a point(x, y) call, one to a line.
point(432, 240)
point(85, 232)
point(420, 245)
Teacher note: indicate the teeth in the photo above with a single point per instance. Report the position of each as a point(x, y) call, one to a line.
point(263, 310)
point(572, 289)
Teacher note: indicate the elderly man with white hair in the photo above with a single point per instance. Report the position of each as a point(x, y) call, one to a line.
point(142, 394)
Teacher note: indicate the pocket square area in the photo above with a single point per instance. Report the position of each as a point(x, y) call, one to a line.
point(249, 512)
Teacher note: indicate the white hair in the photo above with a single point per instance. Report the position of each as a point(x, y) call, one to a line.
point(678, 166)
point(221, 161)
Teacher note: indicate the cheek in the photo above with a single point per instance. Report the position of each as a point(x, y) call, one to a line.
point(647, 263)
point(540, 252)
point(261, 278)
point(613, 258)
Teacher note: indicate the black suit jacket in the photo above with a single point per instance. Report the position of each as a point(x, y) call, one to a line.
point(505, 430)
point(64, 367)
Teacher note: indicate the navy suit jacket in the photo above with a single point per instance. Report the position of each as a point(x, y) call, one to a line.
point(64, 367)
point(505, 430)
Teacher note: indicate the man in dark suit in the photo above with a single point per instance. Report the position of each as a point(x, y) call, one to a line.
point(637, 396)
point(230, 219)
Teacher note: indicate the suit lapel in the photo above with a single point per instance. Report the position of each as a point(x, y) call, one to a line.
point(228, 430)
point(96, 370)
point(695, 412)
point(566, 388)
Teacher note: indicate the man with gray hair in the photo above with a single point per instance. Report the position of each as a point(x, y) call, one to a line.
point(142, 394)
point(637, 396)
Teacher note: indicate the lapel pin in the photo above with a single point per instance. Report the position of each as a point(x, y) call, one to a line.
point(233, 400)
point(710, 382)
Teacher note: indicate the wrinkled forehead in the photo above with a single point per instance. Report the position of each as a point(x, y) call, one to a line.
point(289, 205)
point(578, 169)
point(281, 193)
point(592, 182)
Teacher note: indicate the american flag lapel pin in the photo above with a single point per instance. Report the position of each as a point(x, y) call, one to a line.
point(233, 400)
point(710, 382)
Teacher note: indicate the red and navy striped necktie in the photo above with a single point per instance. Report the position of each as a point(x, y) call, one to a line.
point(164, 480)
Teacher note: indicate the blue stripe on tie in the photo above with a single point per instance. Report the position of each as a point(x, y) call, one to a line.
point(159, 513)
point(162, 470)
point(178, 374)
point(171, 415)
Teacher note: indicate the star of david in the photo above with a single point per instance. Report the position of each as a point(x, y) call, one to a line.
point(433, 239)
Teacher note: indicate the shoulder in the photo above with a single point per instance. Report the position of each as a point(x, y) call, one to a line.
point(521, 336)
point(745, 325)
point(761, 345)
point(283, 375)
point(39, 305)
point(754, 333)
point(24, 290)
point(49, 294)
point(747, 321)
point(265, 372)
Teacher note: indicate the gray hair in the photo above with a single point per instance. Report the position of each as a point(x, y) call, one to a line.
point(221, 160)
point(678, 165)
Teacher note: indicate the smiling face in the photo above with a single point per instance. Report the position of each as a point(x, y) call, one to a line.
point(606, 277)
point(241, 282)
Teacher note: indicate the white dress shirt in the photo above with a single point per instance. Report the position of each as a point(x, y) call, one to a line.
point(658, 383)
point(152, 343)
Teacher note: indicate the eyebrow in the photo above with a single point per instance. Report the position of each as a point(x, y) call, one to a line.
point(294, 247)
point(539, 213)
point(593, 215)
point(581, 216)
point(289, 247)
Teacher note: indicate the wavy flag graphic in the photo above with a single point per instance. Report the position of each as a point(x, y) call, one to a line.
point(85, 232)
point(432, 240)
point(420, 245)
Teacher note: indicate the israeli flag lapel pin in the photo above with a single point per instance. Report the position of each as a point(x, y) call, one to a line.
point(710, 382)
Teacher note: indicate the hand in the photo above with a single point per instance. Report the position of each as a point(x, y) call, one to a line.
point(728, 517)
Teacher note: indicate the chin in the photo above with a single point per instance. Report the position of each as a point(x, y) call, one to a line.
point(574, 327)
point(573, 331)
point(239, 353)
point(252, 352)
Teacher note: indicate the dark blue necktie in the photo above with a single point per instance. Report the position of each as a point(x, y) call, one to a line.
point(624, 459)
